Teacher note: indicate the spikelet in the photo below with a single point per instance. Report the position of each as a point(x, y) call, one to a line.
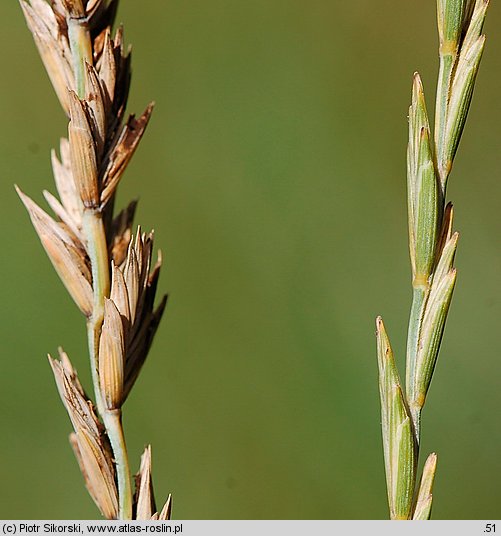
point(460, 27)
point(112, 357)
point(422, 509)
point(66, 253)
point(88, 441)
point(166, 512)
point(145, 501)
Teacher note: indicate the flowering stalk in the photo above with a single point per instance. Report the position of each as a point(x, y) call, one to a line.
point(432, 247)
point(106, 269)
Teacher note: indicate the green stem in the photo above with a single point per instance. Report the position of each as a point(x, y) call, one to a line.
point(81, 49)
point(97, 247)
point(93, 342)
point(113, 423)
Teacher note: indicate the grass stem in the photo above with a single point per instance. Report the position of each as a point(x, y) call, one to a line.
point(113, 422)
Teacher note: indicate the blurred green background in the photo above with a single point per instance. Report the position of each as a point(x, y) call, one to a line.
point(274, 175)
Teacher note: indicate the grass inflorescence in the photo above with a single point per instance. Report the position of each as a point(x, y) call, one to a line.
point(106, 269)
point(432, 247)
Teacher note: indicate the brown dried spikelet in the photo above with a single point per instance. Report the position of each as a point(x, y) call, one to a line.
point(83, 152)
point(95, 98)
point(89, 443)
point(140, 346)
point(66, 254)
point(111, 357)
point(144, 498)
point(166, 512)
point(123, 77)
point(65, 184)
point(122, 152)
point(53, 47)
point(131, 275)
point(120, 296)
point(143, 318)
point(61, 212)
point(121, 231)
point(107, 67)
